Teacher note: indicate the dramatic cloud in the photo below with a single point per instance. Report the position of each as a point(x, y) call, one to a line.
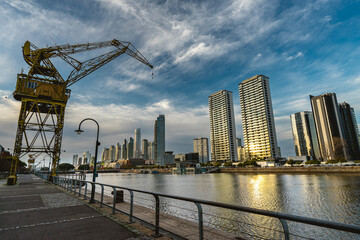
point(197, 48)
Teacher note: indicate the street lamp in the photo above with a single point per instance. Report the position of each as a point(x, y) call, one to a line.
point(79, 131)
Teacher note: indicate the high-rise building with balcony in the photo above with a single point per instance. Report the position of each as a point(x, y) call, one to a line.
point(201, 146)
point(137, 145)
point(105, 156)
point(151, 151)
point(112, 153)
point(145, 146)
point(351, 131)
point(304, 134)
point(86, 157)
point(124, 150)
point(329, 128)
point(75, 159)
point(118, 151)
point(130, 149)
point(258, 123)
point(222, 126)
point(159, 140)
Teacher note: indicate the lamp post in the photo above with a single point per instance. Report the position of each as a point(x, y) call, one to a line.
point(79, 131)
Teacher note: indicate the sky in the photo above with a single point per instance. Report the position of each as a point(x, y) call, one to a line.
point(197, 48)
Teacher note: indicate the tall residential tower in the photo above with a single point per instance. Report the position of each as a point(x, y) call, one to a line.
point(304, 134)
point(222, 125)
point(137, 145)
point(258, 123)
point(201, 146)
point(351, 131)
point(328, 126)
point(159, 140)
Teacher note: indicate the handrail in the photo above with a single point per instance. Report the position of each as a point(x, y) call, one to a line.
point(281, 216)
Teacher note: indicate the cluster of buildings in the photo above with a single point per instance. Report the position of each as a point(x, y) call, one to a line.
point(329, 132)
point(259, 135)
point(138, 151)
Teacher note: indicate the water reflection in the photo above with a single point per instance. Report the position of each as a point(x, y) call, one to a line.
point(332, 197)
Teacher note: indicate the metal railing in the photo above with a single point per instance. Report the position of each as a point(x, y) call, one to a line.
point(75, 186)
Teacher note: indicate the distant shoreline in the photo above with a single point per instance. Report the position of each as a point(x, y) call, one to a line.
point(256, 170)
point(308, 170)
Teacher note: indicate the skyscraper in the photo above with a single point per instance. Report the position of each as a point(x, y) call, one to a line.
point(304, 134)
point(75, 159)
point(258, 123)
point(105, 156)
point(130, 149)
point(328, 126)
point(351, 132)
point(112, 153)
point(86, 157)
point(124, 150)
point(201, 146)
point(222, 125)
point(118, 151)
point(159, 140)
point(145, 146)
point(151, 151)
point(137, 145)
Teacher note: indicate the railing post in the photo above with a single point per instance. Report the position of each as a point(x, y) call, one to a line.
point(71, 189)
point(85, 192)
point(102, 195)
point(286, 228)
point(114, 201)
point(67, 184)
point(75, 186)
point(80, 186)
point(131, 206)
point(201, 222)
point(157, 216)
point(92, 198)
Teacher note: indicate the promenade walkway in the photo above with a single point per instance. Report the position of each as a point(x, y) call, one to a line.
point(34, 209)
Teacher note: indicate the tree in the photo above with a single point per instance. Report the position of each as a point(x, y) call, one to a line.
point(228, 164)
point(65, 167)
point(84, 167)
point(5, 163)
point(290, 162)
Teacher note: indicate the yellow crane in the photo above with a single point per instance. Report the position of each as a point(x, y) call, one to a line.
point(43, 93)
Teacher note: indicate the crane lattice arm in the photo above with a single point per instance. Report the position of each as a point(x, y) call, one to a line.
point(81, 69)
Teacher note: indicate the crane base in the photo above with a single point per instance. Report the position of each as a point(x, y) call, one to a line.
point(11, 180)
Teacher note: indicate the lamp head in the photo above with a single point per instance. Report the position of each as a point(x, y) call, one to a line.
point(79, 131)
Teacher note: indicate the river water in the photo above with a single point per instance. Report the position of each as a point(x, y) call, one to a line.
point(334, 197)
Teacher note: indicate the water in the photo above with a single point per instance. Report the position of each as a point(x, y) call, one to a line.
point(334, 197)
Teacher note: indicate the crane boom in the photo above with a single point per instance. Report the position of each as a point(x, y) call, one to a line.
point(43, 93)
point(81, 69)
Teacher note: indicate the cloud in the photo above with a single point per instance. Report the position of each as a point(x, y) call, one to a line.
point(117, 122)
point(122, 85)
point(297, 55)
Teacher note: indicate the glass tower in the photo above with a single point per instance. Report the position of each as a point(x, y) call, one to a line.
point(328, 126)
point(159, 140)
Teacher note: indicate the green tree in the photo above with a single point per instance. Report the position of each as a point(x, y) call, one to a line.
point(291, 162)
point(228, 164)
point(84, 167)
point(65, 167)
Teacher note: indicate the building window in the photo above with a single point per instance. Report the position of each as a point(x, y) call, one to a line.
point(32, 84)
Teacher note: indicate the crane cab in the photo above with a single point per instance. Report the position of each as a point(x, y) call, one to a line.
point(33, 87)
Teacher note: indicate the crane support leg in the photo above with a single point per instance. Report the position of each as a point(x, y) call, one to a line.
point(40, 128)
